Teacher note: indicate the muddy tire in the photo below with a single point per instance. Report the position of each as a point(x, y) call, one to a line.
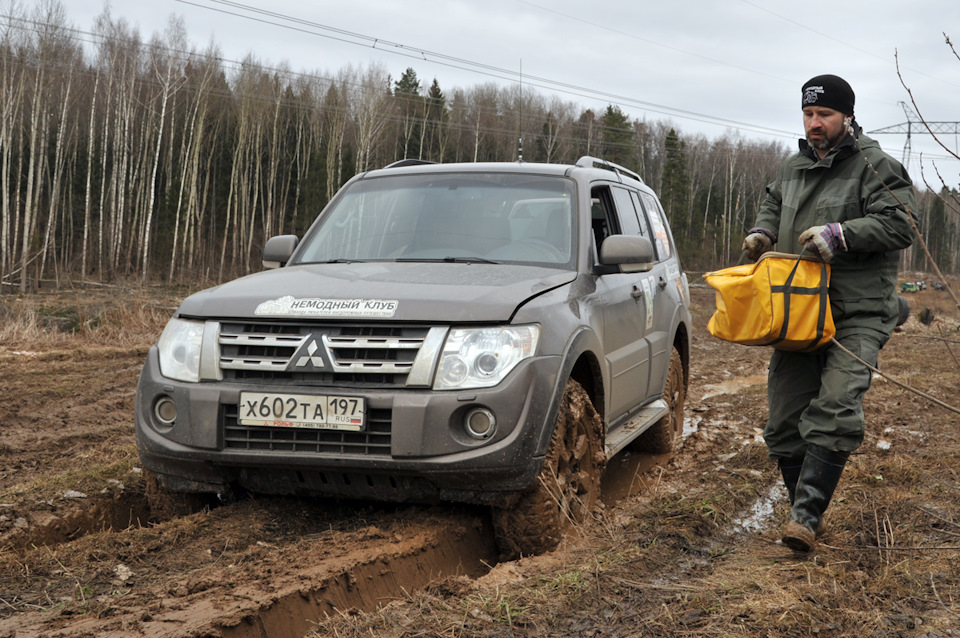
point(166, 505)
point(664, 436)
point(567, 488)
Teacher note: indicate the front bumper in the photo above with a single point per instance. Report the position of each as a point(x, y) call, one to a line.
point(416, 447)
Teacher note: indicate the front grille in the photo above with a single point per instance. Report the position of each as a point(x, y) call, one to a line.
point(357, 356)
point(374, 441)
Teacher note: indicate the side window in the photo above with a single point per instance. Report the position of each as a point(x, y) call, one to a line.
point(644, 224)
point(603, 216)
point(626, 212)
point(659, 225)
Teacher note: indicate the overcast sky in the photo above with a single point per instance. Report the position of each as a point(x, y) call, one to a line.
point(709, 66)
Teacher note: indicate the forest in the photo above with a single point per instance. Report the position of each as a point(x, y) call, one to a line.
point(131, 159)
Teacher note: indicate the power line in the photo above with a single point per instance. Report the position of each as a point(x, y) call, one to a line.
point(97, 38)
point(839, 40)
point(367, 41)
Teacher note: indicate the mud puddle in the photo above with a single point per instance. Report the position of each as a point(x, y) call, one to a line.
point(732, 386)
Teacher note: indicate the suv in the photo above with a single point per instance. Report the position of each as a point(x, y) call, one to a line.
point(486, 333)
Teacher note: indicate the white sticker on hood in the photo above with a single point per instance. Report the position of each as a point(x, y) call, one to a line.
point(292, 306)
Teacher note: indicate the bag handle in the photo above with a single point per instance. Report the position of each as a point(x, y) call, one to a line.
point(824, 301)
point(745, 256)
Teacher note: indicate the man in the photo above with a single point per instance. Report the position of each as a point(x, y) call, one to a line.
point(827, 200)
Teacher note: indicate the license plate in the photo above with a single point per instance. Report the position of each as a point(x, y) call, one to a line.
point(302, 411)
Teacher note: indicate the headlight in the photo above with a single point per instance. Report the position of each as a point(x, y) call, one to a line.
point(179, 347)
point(482, 357)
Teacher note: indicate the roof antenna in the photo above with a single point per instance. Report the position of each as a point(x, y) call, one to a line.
point(520, 118)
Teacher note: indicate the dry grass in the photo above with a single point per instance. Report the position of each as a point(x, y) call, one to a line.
point(116, 315)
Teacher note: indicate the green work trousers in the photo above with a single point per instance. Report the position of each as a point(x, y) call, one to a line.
point(817, 397)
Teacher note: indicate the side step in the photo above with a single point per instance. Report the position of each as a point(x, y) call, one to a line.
point(638, 423)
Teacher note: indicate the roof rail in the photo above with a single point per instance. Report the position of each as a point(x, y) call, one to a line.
point(596, 162)
point(408, 162)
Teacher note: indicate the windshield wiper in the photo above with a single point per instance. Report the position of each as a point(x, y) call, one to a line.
point(335, 261)
point(449, 260)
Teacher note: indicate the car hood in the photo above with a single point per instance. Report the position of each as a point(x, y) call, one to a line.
point(442, 292)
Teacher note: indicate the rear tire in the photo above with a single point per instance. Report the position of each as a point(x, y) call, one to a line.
point(567, 488)
point(665, 435)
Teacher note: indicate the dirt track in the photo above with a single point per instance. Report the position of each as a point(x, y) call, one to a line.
point(682, 546)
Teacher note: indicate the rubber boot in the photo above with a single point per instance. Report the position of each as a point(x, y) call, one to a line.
point(819, 476)
point(790, 471)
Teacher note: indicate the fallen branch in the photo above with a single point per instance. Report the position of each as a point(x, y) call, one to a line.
point(946, 343)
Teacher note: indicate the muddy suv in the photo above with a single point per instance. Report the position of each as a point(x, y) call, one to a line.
point(486, 333)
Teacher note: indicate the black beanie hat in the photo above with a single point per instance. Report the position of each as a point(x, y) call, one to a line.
point(830, 91)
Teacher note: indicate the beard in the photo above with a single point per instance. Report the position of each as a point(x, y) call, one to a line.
point(827, 142)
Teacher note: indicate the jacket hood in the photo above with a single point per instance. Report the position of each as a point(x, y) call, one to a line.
point(435, 292)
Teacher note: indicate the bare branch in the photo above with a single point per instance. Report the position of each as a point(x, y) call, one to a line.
point(917, 109)
point(950, 44)
point(952, 204)
point(946, 344)
point(913, 224)
point(904, 386)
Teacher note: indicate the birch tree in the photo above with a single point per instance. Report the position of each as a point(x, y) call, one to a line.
point(169, 74)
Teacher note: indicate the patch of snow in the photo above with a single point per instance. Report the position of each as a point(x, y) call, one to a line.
point(760, 511)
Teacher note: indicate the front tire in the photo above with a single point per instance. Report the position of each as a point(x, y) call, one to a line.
point(567, 488)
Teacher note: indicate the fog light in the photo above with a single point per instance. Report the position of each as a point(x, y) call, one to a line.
point(166, 410)
point(480, 423)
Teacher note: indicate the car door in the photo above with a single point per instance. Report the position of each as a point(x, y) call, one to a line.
point(665, 286)
point(625, 298)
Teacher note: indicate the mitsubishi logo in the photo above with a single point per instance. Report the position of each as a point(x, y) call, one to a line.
point(308, 357)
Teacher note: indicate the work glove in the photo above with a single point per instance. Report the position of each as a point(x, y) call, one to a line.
point(825, 241)
point(759, 241)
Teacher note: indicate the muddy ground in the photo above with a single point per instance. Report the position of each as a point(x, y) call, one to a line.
point(682, 546)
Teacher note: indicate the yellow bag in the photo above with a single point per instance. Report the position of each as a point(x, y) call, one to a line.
point(780, 301)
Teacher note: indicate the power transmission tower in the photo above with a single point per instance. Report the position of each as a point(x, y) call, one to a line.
point(916, 125)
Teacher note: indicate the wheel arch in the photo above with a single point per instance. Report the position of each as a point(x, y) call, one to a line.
point(582, 364)
point(681, 341)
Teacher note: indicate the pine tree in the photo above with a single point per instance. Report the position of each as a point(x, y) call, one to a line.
point(674, 187)
point(437, 125)
point(617, 135)
point(410, 110)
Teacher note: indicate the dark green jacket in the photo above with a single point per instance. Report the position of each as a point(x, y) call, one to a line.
point(843, 188)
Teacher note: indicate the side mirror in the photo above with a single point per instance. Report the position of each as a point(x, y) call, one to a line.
point(278, 250)
point(632, 253)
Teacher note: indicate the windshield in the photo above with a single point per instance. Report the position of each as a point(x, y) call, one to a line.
point(484, 217)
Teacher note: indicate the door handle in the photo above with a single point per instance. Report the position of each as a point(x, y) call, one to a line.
point(661, 283)
point(637, 292)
